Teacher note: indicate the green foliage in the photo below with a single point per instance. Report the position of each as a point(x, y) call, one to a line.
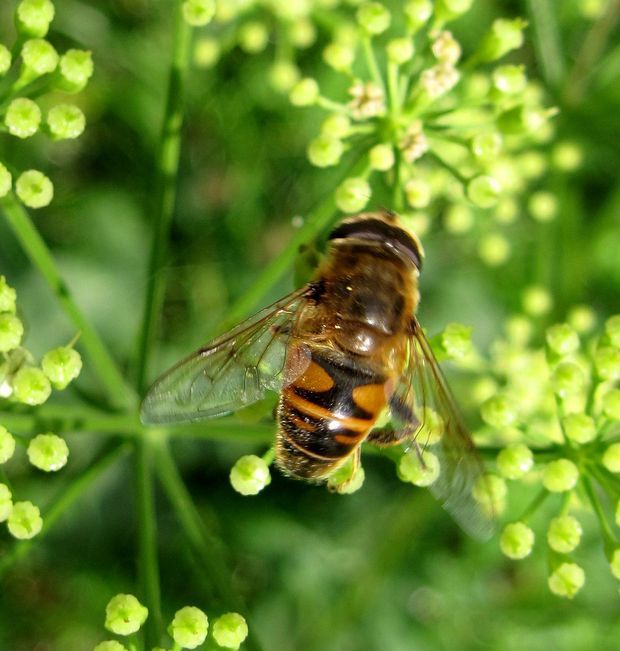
point(222, 143)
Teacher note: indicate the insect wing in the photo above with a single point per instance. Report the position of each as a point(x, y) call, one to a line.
point(431, 414)
point(231, 372)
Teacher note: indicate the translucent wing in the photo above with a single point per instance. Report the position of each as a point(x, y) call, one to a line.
point(231, 372)
point(423, 406)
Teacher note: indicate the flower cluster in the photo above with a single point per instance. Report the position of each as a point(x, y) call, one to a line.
point(189, 628)
point(30, 70)
point(448, 132)
point(258, 26)
point(555, 412)
point(21, 381)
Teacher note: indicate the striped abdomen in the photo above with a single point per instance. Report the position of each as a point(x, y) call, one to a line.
point(327, 412)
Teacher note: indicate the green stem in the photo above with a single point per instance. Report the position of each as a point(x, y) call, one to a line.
point(447, 166)
point(147, 537)
point(72, 492)
point(371, 62)
point(547, 40)
point(164, 193)
point(64, 419)
point(589, 55)
point(36, 249)
point(608, 535)
point(534, 505)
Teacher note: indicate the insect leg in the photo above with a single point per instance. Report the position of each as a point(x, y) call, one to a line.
point(386, 436)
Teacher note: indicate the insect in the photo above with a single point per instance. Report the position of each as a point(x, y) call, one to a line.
point(340, 351)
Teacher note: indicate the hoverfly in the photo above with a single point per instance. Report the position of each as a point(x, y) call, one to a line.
point(340, 351)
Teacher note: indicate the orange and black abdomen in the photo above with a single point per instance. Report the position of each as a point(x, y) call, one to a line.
point(327, 412)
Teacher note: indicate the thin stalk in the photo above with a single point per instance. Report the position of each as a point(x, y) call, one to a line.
point(72, 492)
point(371, 62)
point(547, 40)
point(533, 506)
point(148, 566)
point(208, 548)
point(608, 535)
point(36, 249)
point(165, 189)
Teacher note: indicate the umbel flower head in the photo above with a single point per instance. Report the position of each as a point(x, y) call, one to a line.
point(555, 413)
point(449, 134)
point(39, 70)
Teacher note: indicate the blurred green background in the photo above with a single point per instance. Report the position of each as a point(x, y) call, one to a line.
point(385, 568)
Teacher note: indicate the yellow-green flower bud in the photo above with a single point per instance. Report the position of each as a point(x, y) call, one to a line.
point(124, 614)
point(7, 445)
point(612, 330)
point(65, 122)
point(8, 295)
point(111, 645)
point(24, 520)
point(611, 458)
point(417, 12)
point(509, 79)
point(11, 332)
point(342, 481)
point(611, 404)
point(456, 340)
point(518, 329)
point(543, 206)
point(486, 146)
point(499, 412)
point(517, 540)
point(374, 17)
point(61, 365)
point(206, 52)
point(39, 57)
point(522, 119)
point(302, 33)
point(22, 118)
point(31, 386)
point(198, 12)
point(325, 151)
point(418, 193)
point(615, 563)
point(582, 318)
point(567, 156)
point(6, 181)
point(536, 300)
point(506, 211)
point(489, 491)
point(483, 191)
point(400, 50)
point(33, 17)
point(48, 452)
point(253, 37)
point(34, 189)
point(560, 475)
point(304, 92)
point(353, 194)
point(75, 69)
point(189, 627)
point(283, 75)
point(505, 35)
point(567, 379)
point(6, 502)
point(514, 461)
point(562, 339)
point(230, 630)
point(419, 471)
point(607, 362)
point(564, 534)
point(579, 428)
point(336, 125)
point(567, 580)
point(446, 48)
point(494, 249)
point(446, 10)
point(381, 157)
point(5, 59)
point(458, 218)
point(339, 56)
point(250, 475)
